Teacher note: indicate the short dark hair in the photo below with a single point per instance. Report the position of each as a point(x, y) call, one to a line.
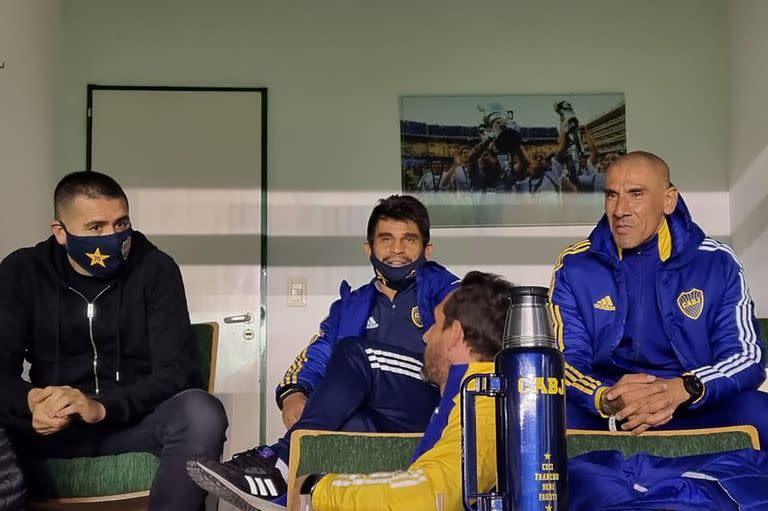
point(480, 304)
point(90, 183)
point(402, 208)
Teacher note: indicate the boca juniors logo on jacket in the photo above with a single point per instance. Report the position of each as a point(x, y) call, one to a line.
point(691, 302)
point(416, 317)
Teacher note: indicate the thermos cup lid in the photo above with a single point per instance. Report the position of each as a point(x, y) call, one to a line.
point(529, 293)
point(528, 322)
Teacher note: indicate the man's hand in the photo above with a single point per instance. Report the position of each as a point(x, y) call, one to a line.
point(74, 402)
point(644, 400)
point(627, 392)
point(64, 402)
point(42, 421)
point(657, 410)
point(293, 406)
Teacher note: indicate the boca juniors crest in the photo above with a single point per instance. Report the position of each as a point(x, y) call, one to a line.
point(691, 302)
point(416, 317)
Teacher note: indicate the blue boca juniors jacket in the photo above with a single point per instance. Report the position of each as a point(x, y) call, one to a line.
point(702, 296)
point(348, 317)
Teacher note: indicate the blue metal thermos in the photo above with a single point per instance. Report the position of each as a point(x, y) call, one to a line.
point(529, 389)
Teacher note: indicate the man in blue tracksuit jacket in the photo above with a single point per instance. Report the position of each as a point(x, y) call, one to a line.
point(354, 315)
point(388, 315)
point(655, 319)
point(363, 372)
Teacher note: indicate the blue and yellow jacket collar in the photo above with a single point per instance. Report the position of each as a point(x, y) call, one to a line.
point(662, 241)
point(678, 237)
point(450, 399)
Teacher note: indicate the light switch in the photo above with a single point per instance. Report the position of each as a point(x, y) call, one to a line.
point(297, 293)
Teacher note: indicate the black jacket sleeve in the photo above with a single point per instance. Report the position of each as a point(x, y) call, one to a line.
point(172, 351)
point(14, 333)
point(12, 492)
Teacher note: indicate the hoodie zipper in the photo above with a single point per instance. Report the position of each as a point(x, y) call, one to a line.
point(90, 311)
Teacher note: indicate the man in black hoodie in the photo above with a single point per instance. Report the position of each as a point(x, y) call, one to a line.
point(101, 316)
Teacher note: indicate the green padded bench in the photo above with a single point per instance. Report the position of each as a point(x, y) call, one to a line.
point(668, 444)
point(339, 452)
point(114, 482)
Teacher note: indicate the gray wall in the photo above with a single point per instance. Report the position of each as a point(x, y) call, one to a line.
point(748, 141)
point(335, 70)
point(28, 30)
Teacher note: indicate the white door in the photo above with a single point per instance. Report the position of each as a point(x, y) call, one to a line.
point(191, 163)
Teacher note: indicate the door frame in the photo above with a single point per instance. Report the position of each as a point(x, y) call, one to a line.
point(91, 88)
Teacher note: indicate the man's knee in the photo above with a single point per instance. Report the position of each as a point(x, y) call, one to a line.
point(199, 413)
point(750, 397)
point(359, 422)
point(750, 407)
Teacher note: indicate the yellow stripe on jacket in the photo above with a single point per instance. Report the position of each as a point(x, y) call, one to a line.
point(573, 377)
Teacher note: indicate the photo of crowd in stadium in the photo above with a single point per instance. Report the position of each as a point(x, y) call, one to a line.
point(510, 160)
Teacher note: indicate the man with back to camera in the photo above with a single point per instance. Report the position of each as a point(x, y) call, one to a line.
point(369, 354)
point(462, 341)
point(655, 318)
point(101, 316)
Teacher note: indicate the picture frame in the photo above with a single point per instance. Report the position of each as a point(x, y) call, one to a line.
point(523, 159)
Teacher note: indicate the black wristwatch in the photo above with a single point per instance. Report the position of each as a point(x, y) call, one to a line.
point(693, 387)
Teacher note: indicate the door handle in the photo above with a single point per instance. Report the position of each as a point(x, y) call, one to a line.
point(240, 318)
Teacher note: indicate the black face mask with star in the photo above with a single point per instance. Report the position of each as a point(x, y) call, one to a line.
point(101, 256)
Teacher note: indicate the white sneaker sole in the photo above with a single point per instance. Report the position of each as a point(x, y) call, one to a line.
point(212, 482)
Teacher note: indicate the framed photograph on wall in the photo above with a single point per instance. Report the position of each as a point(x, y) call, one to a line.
point(510, 160)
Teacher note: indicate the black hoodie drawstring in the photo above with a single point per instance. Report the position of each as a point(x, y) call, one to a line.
point(119, 325)
point(57, 338)
point(90, 312)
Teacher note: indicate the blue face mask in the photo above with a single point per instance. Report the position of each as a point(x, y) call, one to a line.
point(396, 277)
point(101, 256)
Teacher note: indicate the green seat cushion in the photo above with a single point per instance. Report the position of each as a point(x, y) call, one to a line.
point(91, 477)
point(668, 446)
point(361, 454)
point(345, 453)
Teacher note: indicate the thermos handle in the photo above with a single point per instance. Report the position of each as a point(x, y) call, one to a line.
point(489, 385)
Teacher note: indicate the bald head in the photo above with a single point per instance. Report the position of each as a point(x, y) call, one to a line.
point(638, 195)
point(656, 165)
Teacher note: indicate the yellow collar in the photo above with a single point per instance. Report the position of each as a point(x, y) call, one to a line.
point(664, 242)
